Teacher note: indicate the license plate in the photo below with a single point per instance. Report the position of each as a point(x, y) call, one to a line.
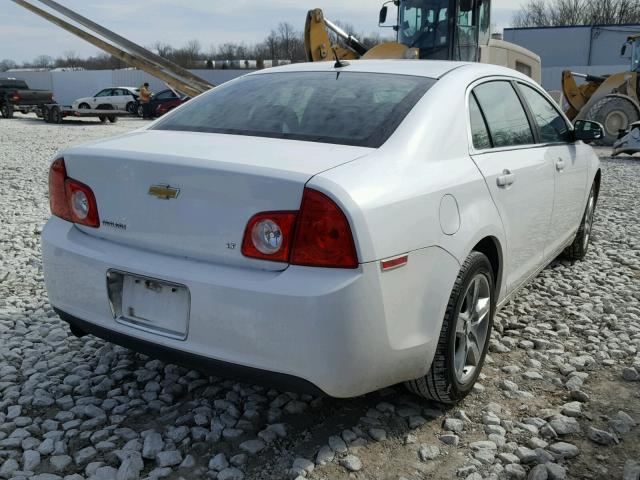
point(149, 304)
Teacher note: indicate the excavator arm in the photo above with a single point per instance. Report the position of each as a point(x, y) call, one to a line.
point(319, 48)
point(318, 44)
point(173, 75)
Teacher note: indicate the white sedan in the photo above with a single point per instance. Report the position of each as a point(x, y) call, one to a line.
point(119, 98)
point(324, 228)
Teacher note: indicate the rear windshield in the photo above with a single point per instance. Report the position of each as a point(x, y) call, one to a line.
point(347, 108)
point(9, 83)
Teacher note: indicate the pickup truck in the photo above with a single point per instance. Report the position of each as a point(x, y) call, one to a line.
point(16, 95)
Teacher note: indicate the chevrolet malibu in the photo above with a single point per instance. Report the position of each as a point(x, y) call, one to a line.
point(325, 228)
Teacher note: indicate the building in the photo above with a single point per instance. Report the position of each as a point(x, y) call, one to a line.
point(592, 49)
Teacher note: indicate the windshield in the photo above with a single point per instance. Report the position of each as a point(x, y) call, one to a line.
point(424, 24)
point(347, 108)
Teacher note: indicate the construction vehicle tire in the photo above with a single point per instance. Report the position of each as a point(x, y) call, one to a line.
point(614, 113)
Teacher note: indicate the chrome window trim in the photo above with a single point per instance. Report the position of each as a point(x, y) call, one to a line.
point(474, 151)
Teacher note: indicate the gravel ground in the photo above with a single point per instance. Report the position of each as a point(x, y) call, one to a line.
point(559, 396)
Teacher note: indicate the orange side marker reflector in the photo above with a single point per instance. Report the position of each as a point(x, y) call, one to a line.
point(394, 263)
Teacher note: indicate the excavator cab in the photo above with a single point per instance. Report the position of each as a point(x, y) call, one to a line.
point(442, 29)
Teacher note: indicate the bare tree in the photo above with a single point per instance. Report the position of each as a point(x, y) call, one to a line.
point(7, 64)
point(162, 49)
point(43, 61)
point(548, 13)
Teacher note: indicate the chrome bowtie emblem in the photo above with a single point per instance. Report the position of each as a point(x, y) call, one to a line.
point(164, 192)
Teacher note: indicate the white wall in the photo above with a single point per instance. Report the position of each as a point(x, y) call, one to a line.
point(68, 86)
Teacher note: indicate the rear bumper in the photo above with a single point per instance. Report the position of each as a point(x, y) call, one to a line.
point(197, 362)
point(342, 332)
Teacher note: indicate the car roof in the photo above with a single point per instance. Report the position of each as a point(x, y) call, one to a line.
point(434, 69)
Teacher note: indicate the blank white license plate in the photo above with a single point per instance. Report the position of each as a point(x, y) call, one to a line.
point(155, 306)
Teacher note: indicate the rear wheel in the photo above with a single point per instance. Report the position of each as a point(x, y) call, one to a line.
point(129, 108)
point(615, 114)
point(55, 115)
point(578, 249)
point(464, 337)
point(140, 111)
point(112, 118)
point(7, 111)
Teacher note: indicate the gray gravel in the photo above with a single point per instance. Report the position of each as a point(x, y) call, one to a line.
point(559, 396)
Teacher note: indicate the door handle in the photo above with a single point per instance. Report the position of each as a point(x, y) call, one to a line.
point(506, 179)
point(560, 165)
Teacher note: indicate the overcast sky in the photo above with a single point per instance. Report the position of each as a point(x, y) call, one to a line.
point(23, 35)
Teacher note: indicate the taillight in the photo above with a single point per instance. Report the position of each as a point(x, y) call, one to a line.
point(323, 237)
point(15, 97)
point(71, 200)
point(269, 236)
point(318, 235)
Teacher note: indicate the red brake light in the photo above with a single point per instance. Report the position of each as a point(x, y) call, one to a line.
point(323, 236)
point(57, 191)
point(71, 200)
point(15, 97)
point(317, 236)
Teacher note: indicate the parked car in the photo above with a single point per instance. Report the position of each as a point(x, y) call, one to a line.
point(326, 229)
point(162, 102)
point(15, 95)
point(120, 98)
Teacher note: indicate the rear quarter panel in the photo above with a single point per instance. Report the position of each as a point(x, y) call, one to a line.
point(393, 196)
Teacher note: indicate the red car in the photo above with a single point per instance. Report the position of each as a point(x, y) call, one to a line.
point(163, 102)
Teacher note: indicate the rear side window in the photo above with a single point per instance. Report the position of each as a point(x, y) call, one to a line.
point(347, 108)
point(552, 127)
point(479, 132)
point(17, 84)
point(505, 115)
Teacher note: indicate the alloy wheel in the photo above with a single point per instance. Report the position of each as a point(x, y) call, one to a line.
point(472, 328)
point(588, 220)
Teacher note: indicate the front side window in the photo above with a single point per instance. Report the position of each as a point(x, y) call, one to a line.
point(551, 125)
point(424, 24)
point(166, 95)
point(347, 108)
point(505, 115)
point(104, 93)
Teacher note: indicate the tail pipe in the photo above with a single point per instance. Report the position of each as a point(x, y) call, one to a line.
point(350, 40)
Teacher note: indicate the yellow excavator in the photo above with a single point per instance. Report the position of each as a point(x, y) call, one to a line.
point(612, 100)
point(425, 29)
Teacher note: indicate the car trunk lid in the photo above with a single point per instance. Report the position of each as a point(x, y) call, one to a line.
point(192, 194)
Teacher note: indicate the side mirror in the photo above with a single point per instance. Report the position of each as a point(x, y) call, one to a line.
point(588, 131)
point(383, 15)
point(466, 5)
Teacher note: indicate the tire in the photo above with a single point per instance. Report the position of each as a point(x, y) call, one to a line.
point(140, 111)
point(614, 113)
point(7, 111)
point(84, 106)
point(46, 115)
point(580, 246)
point(55, 115)
point(129, 107)
point(112, 118)
point(450, 379)
point(102, 118)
